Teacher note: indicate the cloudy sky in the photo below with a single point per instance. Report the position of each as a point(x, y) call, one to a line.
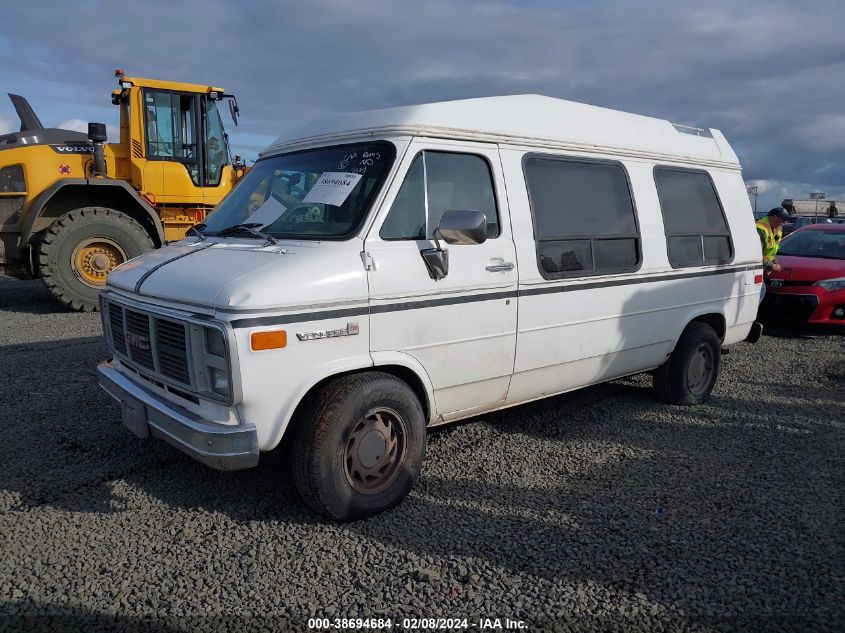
point(770, 75)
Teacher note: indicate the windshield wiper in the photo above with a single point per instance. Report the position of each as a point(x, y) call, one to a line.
point(248, 227)
point(196, 229)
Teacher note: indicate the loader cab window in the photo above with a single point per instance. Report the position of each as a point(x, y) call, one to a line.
point(12, 195)
point(215, 143)
point(171, 127)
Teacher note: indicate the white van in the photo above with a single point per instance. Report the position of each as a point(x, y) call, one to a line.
point(379, 273)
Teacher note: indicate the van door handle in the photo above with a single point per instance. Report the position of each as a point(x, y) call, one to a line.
point(497, 268)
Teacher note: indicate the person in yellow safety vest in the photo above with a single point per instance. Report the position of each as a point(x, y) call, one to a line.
point(770, 231)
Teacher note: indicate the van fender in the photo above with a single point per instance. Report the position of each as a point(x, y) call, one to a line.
point(401, 359)
point(38, 206)
point(697, 314)
point(344, 366)
point(308, 382)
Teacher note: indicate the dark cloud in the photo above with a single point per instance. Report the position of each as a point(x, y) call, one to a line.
point(770, 75)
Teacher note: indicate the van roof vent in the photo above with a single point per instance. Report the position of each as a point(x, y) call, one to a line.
point(695, 131)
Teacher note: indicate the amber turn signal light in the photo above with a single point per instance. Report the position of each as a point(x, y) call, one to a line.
point(274, 339)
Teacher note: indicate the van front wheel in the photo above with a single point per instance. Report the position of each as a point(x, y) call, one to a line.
point(359, 447)
point(690, 374)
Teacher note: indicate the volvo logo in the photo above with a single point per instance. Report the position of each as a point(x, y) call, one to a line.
point(775, 283)
point(72, 149)
point(138, 341)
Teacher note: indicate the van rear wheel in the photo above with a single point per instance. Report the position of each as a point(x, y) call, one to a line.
point(359, 446)
point(82, 247)
point(690, 374)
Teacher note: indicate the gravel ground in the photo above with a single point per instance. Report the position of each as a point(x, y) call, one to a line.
point(600, 509)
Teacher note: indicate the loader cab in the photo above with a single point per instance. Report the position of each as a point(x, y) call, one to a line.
point(186, 128)
point(177, 144)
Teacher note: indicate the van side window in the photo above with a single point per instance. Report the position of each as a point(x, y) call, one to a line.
point(406, 219)
point(584, 220)
point(437, 182)
point(696, 231)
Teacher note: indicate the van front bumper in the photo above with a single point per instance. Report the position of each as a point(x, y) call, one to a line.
point(219, 446)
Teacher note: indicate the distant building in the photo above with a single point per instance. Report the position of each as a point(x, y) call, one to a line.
point(809, 208)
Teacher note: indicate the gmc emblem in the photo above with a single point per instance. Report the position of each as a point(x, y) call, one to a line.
point(138, 341)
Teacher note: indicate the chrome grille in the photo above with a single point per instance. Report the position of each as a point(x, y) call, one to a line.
point(139, 339)
point(116, 323)
point(156, 345)
point(171, 349)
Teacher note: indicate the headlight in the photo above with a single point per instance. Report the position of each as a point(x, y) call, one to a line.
point(832, 285)
point(219, 381)
point(214, 342)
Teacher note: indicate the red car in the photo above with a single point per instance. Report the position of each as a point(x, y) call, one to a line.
point(811, 286)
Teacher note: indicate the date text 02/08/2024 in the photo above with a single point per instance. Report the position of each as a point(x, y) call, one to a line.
point(419, 624)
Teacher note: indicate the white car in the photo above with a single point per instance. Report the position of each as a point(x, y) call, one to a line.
point(383, 272)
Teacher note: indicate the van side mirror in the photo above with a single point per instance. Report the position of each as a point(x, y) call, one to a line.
point(463, 227)
point(436, 261)
point(456, 227)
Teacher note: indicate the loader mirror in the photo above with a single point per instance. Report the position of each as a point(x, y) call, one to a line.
point(234, 110)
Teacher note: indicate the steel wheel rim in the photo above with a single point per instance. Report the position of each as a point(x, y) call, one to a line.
point(93, 259)
point(700, 370)
point(375, 450)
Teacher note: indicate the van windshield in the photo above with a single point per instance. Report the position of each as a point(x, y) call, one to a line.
point(313, 194)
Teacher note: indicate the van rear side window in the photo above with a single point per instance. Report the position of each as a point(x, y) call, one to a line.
point(696, 231)
point(584, 220)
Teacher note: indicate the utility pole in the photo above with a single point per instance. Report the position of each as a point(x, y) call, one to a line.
point(817, 195)
point(752, 191)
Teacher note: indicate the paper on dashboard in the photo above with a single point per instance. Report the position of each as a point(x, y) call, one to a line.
point(267, 213)
point(333, 187)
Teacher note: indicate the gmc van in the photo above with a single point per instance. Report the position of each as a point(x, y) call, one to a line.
point(380, 273)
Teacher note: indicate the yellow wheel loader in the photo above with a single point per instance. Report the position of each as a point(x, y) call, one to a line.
point(73, 206)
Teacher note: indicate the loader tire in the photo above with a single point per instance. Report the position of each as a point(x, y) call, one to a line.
point(80, 248)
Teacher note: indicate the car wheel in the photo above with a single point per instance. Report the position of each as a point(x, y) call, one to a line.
point(690, 374)
point(359, 446)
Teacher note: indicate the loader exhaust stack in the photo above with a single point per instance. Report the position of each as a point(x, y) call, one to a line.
point(97, 136)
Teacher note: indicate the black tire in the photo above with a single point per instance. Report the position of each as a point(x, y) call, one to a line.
point(327, 467)
point(60, 242)
point(690, 374)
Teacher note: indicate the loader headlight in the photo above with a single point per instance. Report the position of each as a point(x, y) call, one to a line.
point(831, 285)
